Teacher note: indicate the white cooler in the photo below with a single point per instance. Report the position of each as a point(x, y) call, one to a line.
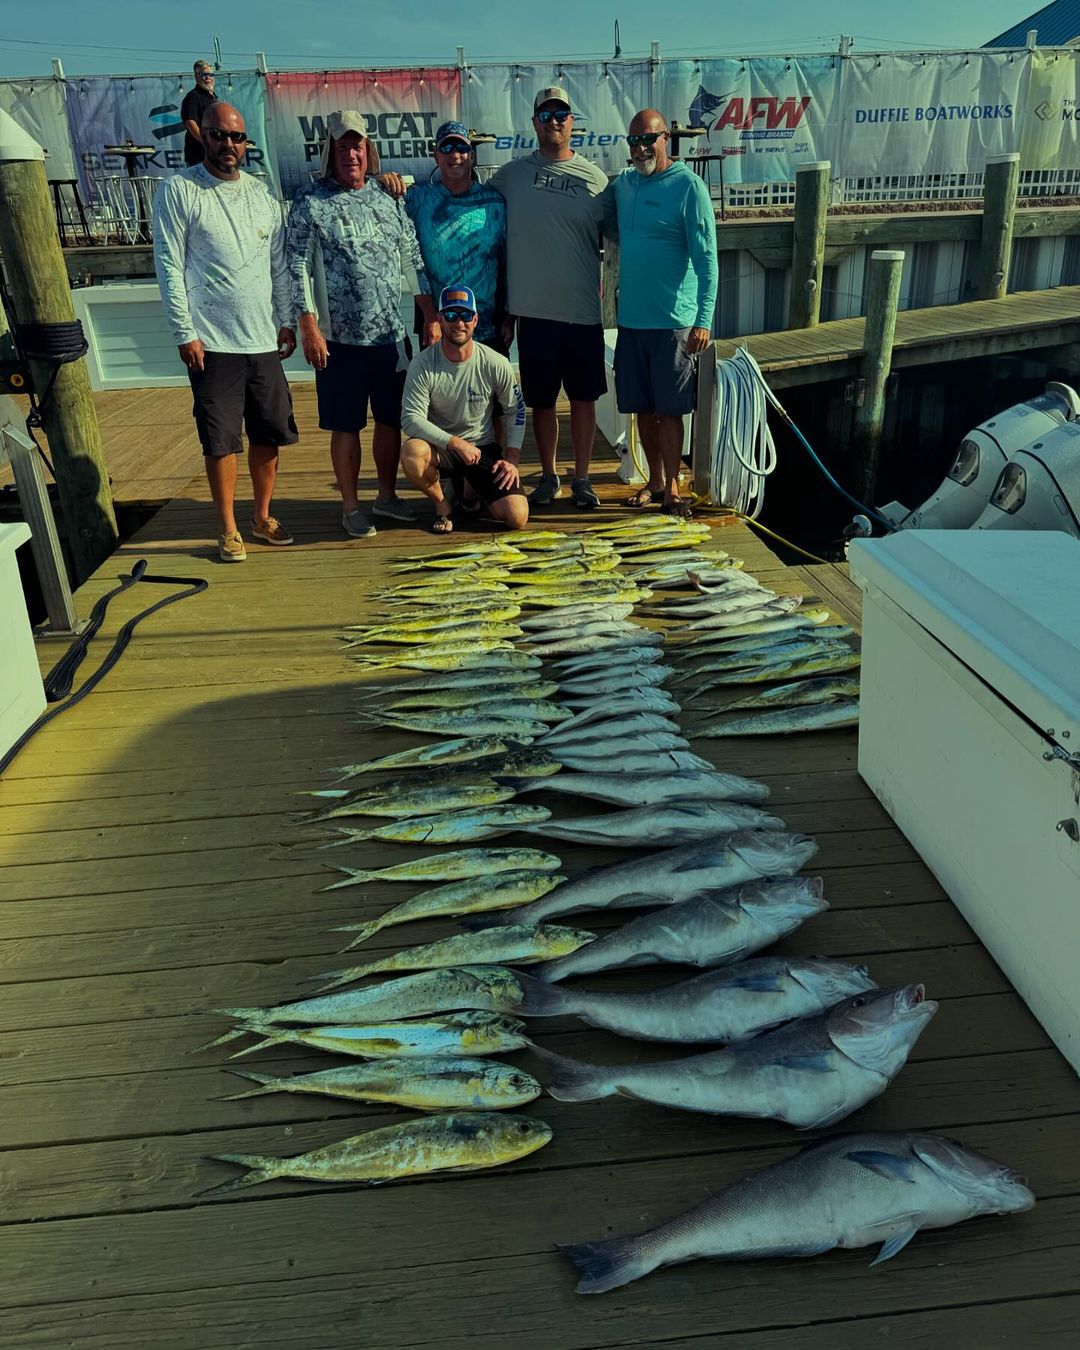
point(969, 736)
point(22, 695)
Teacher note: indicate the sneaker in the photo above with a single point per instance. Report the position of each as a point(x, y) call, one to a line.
point(548, 488)
point(582, 492)
point(230, 547)
point(395, 508)
point(271, 531)
point(357, 524)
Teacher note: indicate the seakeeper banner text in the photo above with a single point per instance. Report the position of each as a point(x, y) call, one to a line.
point(403, 109)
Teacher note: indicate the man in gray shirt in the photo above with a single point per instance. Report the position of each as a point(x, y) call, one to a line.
point(556, 208)
point(454, 390)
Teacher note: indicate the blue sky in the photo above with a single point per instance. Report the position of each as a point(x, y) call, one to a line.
point(372, 32)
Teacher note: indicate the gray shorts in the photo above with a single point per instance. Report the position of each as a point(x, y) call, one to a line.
point(653, 372)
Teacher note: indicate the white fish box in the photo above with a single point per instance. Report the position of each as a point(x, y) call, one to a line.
point(970, 737)
point(22, 695)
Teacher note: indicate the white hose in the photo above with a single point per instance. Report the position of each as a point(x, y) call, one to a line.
point(744, 454)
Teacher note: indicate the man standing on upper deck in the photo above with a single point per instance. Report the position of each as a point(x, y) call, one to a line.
point(555, 209)
point(667, 295)
point(194, 105)
point(219, 252)
point(348, 245)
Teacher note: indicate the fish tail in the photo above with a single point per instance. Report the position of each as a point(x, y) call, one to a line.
point(361, 931)
point(348, 836)
point(336, 978)
point(540, 999)
point(270, 1038)
point(251, 1017)
point(267, 1083)
point(262, 1169)
point(572, 1081)
point(607, 1264)
point(353, 877)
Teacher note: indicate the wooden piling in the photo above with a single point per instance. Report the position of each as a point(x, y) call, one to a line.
point(609, 283)
point(882, 298)
point(808, 244)
point(703, 436)
point(37, 277)
point(999, 207)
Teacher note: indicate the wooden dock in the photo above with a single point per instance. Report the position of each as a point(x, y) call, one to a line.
point(152, 866)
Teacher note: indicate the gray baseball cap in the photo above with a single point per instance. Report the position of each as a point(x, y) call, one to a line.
point(552, 94)
point(337, 124)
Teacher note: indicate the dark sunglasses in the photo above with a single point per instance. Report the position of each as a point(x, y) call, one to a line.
point(458, 315)
point(548, 115)
point(453, 148)
point(220, 135)
point(645, 138)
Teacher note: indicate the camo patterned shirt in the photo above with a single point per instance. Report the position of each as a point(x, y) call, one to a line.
point(347, 251)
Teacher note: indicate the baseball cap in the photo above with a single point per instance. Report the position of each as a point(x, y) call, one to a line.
point(552, 94)
point(453, 131)
point(457, 297)
point(337, 124)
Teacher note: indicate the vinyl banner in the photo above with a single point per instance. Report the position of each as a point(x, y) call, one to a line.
point(402, 108)
point(145, 109)
point(934, 114)
point(762, 118)
point(603, 95)
point(39, 108)
point(1047, 119)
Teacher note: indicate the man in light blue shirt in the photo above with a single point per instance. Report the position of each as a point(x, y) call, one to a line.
point(667, 295)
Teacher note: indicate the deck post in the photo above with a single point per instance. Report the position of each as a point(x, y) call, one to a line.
point(609, 283)
point(808, 244)
point(703, 435)
point(38, 279)
point(999, 206)
point(882, 298)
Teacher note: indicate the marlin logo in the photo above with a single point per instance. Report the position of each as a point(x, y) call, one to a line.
point(705, 103)
point(166, 114)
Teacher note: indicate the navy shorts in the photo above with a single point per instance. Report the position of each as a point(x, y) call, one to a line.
point(551, 354)
point(478, 476)
point(235, 392)
point(654, 373)
point(353, 378)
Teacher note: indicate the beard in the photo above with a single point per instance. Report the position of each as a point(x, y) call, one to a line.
point(645, 166)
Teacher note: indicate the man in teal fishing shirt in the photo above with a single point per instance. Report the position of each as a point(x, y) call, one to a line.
point(667, 295)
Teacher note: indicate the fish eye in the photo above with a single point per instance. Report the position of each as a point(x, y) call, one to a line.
point(859, 1001)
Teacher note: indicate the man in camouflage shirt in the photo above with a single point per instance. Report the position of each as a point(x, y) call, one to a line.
point(348, 245)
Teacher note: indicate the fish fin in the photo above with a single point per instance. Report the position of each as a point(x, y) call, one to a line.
point(896, 1243)
point(815, 1061)
point(262, 1169)
point(540, 999)
point(572, 1081)
point(607, 1265)
point(886, 1165)
point(267, 1083)
point(495, 918)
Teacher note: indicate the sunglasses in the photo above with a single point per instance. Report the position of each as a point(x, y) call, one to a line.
point(220, 135)
point(458, 315)
point(644, 138)
point(550, 116)
point(453, 148)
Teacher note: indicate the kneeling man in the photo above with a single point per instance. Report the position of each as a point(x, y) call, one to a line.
point(453, 391)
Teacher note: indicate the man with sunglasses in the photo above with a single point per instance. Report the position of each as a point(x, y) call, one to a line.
point(349, 244)
point(461, 227)
point(194, 105)
point(555, 210)
point(667, 295)
point(453, 392)
point(219, 252)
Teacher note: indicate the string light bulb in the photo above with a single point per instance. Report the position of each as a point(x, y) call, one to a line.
point(325, 81)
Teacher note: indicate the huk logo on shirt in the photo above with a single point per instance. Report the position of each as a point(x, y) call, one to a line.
point(555, 182)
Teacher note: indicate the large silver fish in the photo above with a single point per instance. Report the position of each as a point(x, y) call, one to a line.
point(707, 930)
point(648, 826)
point(855, 1190)
point(635, 755)
point(810, 1074)
point(643, 789)
point(729, 1004)
point(784, 721)
point(798, 694)
point(674, 874)
point(601, 682)
point(621, 726)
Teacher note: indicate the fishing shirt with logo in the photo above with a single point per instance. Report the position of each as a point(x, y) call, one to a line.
point(219, 254)
point(463, 241)
point(667, 250)
point(555, 211)
point(348, 249)
point(460, 398)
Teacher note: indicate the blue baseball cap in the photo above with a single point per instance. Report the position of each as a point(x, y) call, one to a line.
point(457, 297)
point(453, 131)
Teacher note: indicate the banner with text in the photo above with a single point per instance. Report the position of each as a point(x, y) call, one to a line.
point(109, 110)
point(1049, 112)
point(762, 118)
point(39, 108)
point(402, 108)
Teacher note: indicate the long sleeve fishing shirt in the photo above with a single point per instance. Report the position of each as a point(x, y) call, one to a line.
point(667, 241)
point(348, 249)
point(460, 398)
point(219, 254)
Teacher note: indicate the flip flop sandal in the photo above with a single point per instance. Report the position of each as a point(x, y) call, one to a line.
point(442, 525)
point(643, 497)
point(679, 508)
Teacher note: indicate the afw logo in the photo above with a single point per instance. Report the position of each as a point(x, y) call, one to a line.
point(762, 115)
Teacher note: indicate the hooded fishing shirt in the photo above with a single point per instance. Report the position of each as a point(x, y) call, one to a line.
point(463, 241)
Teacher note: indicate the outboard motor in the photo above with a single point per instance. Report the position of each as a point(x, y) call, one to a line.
point(1039, 488)
point(983, 454)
